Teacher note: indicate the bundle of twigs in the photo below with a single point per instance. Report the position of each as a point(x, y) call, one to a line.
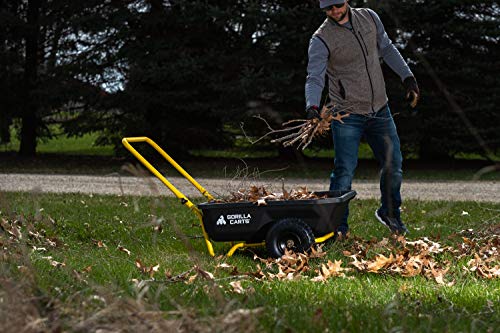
point(304, 131)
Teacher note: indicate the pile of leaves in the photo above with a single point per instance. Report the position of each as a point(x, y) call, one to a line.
point(478, 253)
point(398, 256)
point(484, 247)
point(404, 258)
point(395, 256)
point(260, 195)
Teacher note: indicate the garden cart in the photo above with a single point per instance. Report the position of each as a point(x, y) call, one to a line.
point(279, 224)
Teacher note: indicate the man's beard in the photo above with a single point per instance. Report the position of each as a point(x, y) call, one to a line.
point(341, 17)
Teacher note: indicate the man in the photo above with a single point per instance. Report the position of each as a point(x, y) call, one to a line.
point(348, 47)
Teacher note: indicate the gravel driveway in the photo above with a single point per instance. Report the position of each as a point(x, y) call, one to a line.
point(484, 191)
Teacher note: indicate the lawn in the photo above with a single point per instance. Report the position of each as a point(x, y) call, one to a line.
point(60, 143)
point(87, 262)
point(81, 155)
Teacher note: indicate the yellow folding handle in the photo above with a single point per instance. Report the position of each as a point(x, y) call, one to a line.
point(184, 200)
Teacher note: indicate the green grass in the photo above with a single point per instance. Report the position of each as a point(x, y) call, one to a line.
point(64, 145)
point(84, 145)
point(365, 302)
point(247, 151)
point(267, 168)
point(81, 156)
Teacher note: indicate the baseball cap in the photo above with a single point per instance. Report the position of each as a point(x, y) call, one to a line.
point(326, 3)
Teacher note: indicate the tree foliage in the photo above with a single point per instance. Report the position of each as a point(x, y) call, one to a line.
point(453, 47)
point(43, 60)
point(187, 73)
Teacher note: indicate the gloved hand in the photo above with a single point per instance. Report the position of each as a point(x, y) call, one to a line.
point(312, 112)
point(412, 91)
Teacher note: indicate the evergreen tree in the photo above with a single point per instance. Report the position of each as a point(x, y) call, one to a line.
point(187, 73)
point(11, 65)
point(44, 59)
point(453, 47)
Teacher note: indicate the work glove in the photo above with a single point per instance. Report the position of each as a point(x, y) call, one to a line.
point(412, 91)
point(312, 112)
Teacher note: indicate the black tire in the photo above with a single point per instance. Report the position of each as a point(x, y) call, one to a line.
point(290, 234)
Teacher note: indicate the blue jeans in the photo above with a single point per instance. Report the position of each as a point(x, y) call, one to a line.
point(380, 133)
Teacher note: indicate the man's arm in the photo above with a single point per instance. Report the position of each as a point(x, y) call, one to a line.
point(395, 61)
point(388, 52)
point(316, 70)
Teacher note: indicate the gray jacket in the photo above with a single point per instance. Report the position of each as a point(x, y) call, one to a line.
point(350, 55)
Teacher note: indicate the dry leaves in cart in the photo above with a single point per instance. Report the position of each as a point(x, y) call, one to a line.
point(260, 195)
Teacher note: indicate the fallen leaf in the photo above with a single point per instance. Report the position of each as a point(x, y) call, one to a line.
point(138, 264)
point(237, 288)
point(438, 273)
point(205, 274)
point(261, 202)
point(100, 244)
point(154, 269)
point(331, 269)
point(121, 248)
point(191, 278)
point(57, 263)
point(150, 270)
point(412, 267)
point(360, 265)
point(380, 262)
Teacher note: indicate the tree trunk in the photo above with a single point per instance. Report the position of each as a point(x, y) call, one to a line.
point(29, 114)
point(5, 122)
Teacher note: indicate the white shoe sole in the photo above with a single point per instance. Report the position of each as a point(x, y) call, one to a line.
point(385, 224)
point(381, 221)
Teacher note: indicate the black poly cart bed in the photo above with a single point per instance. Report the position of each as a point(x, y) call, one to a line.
point(250, 223)
point(283, 225)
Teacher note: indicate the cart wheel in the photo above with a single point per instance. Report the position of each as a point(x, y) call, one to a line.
point(289, 234)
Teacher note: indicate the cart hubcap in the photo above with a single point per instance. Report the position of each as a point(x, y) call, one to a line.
point(289, 241)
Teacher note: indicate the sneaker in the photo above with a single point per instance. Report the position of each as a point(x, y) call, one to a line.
point(394, 224)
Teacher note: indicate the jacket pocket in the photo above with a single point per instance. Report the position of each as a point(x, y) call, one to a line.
point(341, 90)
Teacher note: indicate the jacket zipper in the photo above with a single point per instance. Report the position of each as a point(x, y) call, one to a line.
point(364, 44)
point(366, 63)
